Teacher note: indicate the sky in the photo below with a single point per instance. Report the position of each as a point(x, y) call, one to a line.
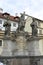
point(31, 7)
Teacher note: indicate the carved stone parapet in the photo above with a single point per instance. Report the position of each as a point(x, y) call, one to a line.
point(6, 37)
point(33, 38)
point(20, 33)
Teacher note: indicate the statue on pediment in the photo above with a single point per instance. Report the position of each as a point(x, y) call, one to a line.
point(21, 24)
point(7, 26)
point(34, 28)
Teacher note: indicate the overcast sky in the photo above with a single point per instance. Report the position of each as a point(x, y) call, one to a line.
point(31, 7)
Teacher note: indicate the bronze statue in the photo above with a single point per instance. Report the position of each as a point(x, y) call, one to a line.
point(34, 28)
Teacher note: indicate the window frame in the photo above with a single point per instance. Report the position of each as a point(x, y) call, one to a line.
point(1, 21)
point(40, 31)
point(2, 43)
point(39, 24)
point(14, 25)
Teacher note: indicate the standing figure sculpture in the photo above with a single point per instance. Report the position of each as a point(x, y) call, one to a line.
point(7, 24)
point(22, 22)
point(34, 28)
point(7, 28)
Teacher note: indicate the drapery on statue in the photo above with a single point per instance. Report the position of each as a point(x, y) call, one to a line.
point(7, 28)
point(34, 28)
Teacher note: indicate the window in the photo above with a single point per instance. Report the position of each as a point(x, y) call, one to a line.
point(0, 21)
point(14, 24)
point(39, 24)
point(0, 42)
point(40, 31)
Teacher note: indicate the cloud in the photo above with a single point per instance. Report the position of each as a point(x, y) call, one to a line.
point(36, 8)
point(31, 7)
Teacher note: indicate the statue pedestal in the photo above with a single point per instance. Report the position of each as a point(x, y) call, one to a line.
point(34, 45)
point(21, 45)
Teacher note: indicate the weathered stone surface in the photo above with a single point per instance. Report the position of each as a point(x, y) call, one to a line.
point(8, 47)
point(33, 48)
point(21, 45)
